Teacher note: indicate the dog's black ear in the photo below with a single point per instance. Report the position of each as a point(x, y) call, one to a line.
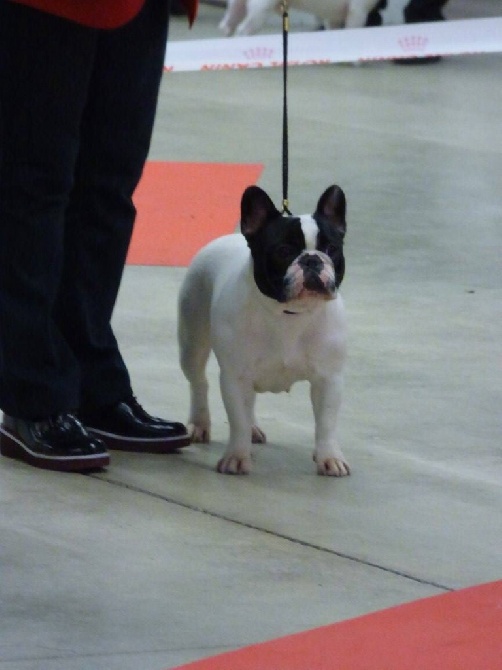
point(256, 209)
point(332, 207)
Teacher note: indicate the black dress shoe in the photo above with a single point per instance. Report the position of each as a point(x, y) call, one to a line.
point(59, 443)
point(128, 427)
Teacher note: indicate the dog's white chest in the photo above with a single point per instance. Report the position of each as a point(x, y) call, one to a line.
point(279, 369)
point(277, 351)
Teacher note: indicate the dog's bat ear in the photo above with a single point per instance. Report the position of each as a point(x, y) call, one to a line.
point(332, 206)
point(256, 209)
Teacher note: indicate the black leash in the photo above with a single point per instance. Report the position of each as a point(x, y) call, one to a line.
point(285, 150)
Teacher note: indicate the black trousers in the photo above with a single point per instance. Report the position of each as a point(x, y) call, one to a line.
point(77, 107)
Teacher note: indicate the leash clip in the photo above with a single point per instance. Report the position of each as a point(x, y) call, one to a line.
point(285, 208)
point(285, 15)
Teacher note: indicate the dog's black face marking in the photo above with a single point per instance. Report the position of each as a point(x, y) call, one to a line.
point(330, 216)
point(277, 241)
point(274, 248)
point(330, 241)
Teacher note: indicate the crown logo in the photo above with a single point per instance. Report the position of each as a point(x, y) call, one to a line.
point(413, 43)
point(258, 53)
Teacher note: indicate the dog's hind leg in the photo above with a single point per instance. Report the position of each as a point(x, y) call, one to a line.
point(357, 13)
point(337, 18)
point(235, 13)
point(195, 347)
point(257, 435)
point(256, 17)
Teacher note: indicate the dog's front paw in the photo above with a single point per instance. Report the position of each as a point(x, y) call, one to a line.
point(331, 466)
point(234, 464)
point(200, 433)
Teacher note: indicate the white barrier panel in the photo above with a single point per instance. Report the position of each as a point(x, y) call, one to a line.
point(472, 36)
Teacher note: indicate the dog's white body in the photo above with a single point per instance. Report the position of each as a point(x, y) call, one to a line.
point(245, 17)
point(261, 345)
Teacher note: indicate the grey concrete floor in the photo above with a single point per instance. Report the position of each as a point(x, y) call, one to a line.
point(159, 560)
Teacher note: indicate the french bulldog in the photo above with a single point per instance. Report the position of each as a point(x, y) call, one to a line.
point(267, 303)
point(246, 17)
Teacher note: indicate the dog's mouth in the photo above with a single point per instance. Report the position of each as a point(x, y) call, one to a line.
point(307, 301)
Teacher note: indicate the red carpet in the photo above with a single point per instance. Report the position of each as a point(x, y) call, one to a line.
point(455, 631)
point(182, 206)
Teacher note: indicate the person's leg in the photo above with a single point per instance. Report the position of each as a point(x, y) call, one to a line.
point(115, 139)
point(116, 133)
point(374, 17)
point(46, 65)
point(422, 11)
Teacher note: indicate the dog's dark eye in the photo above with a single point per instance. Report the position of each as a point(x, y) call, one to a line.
point(285, 252)
point(331, 250)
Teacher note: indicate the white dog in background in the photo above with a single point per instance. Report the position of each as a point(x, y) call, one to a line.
point(246, 17)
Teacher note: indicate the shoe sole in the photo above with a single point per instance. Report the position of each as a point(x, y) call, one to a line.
point(12, 447)
point(165, 445)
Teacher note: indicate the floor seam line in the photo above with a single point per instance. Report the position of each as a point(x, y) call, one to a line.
point(282, 536)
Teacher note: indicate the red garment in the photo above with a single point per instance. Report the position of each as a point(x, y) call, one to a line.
point(100, 13)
